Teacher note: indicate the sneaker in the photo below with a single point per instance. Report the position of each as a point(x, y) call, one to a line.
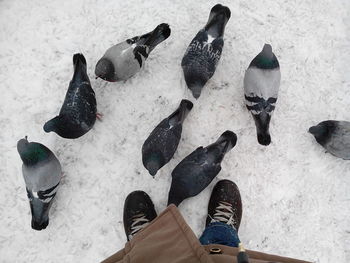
point(138, 213)
point(225, 204)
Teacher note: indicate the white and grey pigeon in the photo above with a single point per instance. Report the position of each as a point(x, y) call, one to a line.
point(204, 52)
point(261, 84)
point(334, 136)
point(123, 60)
point(42, 174)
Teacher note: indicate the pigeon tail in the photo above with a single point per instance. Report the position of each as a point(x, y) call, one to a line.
point(39, 225)
point(185, 107)
point(227, 141)
point(218, 17)
point(181, 113)
point(40, 212)
point(80, 73)
point(217, 9)
point(264, 139)
point(158, 35)
point(79, 58)
point(262, 123)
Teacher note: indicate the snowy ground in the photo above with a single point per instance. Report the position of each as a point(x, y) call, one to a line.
point(296, 198)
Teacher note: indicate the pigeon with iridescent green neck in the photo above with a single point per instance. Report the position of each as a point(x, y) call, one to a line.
point(42, 174)
point(261, 84)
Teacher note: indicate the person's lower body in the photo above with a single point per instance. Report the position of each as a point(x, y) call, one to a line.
point(224, 215)
point(220, 233)
point(223, 220)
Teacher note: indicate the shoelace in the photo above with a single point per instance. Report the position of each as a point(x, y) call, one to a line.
point(139, 222)
point(224, 213)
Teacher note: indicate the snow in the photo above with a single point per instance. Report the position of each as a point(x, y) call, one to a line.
point(296, 197)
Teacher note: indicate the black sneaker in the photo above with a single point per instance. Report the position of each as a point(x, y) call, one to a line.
point(138, 213)
point(225, 204)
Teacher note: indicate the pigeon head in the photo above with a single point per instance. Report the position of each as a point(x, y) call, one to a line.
point(52, 124)
point(105, 70)
point(63, 127)
point(196, 90)
point(153, 163)
point(322, 131)
point(31, 153)
point(266, 59)
point(195, 84)
point(267, 52)
point(57, 125)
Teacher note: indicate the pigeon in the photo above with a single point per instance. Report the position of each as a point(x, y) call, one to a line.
point(42, 174)
point(261, 84)
point(78, 113)
point(123, 60)
point(204, 52)
point(194, 173)
point(162, 143)
point(334, 136)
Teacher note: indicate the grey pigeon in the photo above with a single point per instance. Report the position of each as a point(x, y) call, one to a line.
point(123, 60)
point(79, 111)
point(261, 84)
point(42, 174)
point(204, 52)
point(161, 144)
point(334, 136)
point(194, 173)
